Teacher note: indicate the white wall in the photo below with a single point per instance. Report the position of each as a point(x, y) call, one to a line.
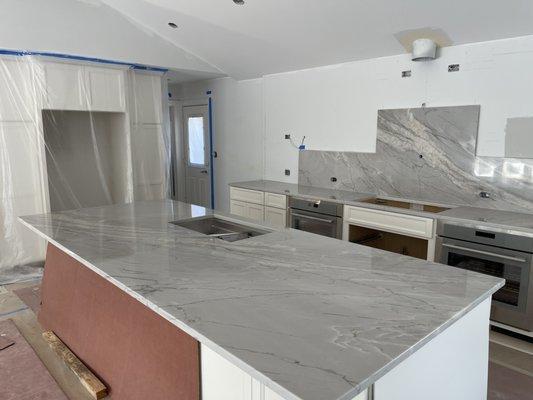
point(336, 106)
point(238, 130)
point(94, 30)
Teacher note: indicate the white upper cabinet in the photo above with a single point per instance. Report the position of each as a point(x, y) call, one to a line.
point(16, 91)
point(81, 88)
point(148, 99)
point(65, 87)
point(106, 89)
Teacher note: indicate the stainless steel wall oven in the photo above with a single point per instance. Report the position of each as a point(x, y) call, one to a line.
point(503, 255)
point(316, 216)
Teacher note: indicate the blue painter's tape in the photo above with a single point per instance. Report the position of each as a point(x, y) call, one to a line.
point(211, 158)
point(22, 53)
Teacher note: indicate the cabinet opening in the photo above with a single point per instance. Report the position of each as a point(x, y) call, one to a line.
point(393, 242)
point(87, 158)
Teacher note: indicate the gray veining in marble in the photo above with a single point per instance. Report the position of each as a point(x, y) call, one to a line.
point(426, 154)
point(313, 318)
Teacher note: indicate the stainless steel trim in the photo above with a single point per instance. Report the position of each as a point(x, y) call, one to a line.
point(329, 221)
point(487, 253)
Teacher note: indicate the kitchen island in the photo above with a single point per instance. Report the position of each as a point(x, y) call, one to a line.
point(283, 315)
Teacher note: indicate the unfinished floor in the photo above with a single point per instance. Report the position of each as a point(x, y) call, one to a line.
point(510, 371)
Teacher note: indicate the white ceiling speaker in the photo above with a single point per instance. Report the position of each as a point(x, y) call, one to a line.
point(424, 50)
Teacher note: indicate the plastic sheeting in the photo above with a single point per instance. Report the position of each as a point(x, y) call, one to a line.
point(75, 135)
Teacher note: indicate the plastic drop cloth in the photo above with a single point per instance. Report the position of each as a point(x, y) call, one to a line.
point(75, 135)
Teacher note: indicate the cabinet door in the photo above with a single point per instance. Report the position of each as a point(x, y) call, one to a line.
point(65, 88)
point(255, 212)
point(16, 91)
point(21, 192)
point(271, 395)
point(106, 89)
point(238, 208)
point(221, 380)
point(275, 200)
point(148, 99)
point(276, 216)
point(148, 159)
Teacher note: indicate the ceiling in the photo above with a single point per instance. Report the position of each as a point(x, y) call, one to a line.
point(270, 36)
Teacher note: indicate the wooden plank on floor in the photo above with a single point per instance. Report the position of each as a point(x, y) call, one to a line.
point(93, 385)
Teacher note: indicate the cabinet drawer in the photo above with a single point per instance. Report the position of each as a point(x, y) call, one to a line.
point(275, 200)
point(409, 225)
point(249, 196)
point(238, 208)
point(276, 216)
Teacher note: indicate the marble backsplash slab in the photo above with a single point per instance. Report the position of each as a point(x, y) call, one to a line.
point(426, 154)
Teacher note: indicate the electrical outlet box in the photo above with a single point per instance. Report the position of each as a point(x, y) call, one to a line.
point(453, 67)
point(288, 137)
point(287, 172)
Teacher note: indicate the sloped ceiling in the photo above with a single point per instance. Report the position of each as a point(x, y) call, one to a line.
point(92, 29)
point(269, 36)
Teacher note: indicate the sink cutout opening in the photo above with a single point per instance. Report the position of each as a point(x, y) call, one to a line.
point(220, 229)
point(406, 205)
point(389, 241)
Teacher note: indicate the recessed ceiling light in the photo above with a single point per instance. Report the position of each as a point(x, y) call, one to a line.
point(172, 25)
point(239, 2)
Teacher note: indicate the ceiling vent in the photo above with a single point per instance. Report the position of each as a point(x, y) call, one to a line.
point(424, 50)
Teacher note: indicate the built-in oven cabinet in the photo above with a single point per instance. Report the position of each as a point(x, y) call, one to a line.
point(399, 233)
point(259, 206)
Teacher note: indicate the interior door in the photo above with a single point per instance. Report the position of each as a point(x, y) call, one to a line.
point(197, 155)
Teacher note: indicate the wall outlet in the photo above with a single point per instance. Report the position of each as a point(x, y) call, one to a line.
point(287, 172)
point(288, 137)
point(453, 67)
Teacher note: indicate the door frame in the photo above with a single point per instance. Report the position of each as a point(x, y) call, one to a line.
point(179, 153)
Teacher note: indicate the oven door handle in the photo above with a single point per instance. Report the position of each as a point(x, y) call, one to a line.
point(487, 253)
point(329, 221)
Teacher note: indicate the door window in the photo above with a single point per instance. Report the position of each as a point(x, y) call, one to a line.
point(195, 128)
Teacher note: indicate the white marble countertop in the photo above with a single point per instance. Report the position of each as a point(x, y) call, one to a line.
point(313, 318)
point(480, 218)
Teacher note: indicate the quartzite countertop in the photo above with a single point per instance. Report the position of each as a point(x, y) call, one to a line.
point(481, 218)
point(313, 318)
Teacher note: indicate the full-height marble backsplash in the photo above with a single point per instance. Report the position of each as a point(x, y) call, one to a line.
point(426, 154)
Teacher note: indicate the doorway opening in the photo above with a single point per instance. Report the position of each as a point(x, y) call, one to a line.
point(192, 160)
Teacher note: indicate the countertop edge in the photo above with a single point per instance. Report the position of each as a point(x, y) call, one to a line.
point(421, 343)
point(286, 394)
point(515, 230)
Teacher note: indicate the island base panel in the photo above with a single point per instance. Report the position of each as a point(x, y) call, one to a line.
point(454, 365)
point(137, 353)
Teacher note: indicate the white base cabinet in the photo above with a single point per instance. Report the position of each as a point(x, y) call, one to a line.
point(276, 216)
point(387, 221)
point(247, 210)
point(259, 206)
